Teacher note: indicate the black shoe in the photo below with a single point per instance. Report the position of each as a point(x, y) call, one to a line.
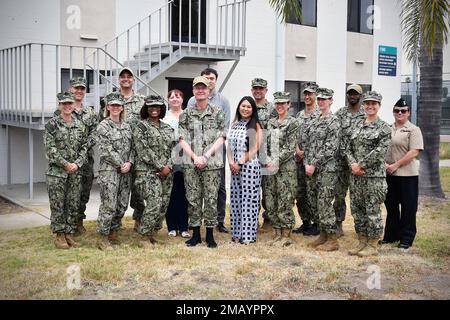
point(210, 238)
point(312, 230)
point(382, 242)
point(222, 228)
point(196, 238)
point(302, 228)
point(404, 246)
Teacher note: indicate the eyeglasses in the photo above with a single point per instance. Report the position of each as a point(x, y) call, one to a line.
point(401, 110)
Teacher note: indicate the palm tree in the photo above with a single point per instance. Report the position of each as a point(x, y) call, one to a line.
point(425, 30)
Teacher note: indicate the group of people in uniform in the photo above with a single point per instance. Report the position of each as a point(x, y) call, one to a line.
point(309, 160)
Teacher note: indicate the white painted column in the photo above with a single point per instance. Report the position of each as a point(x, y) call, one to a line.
point(332, 47)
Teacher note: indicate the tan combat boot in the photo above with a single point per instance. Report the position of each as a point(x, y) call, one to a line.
point(80, 228)
point(113, 237)
point(361, 245)
point(331, 244)
point(277, 236)
point(371, 248)
point(60, 241)
point(286, 239)
point(320, 240)
point(71, 242)
point(104, 244)
point(339, 231)
point(147, 242)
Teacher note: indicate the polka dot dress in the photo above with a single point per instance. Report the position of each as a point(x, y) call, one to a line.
point(245, 188)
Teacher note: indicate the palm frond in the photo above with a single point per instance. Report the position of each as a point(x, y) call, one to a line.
point(287, 8)
point(424, 23)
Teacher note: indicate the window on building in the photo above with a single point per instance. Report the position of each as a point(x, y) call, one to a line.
point(309, 13)
point(359, 16)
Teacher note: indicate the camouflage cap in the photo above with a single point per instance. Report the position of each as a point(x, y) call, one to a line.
point(310, 87)
point(324, 93)
point(200, 79)
point(355, 87)
point(126, 69)
point(114, 98)
point(372, 96)
point(259, 82)
point(281, 97)
point(65, 97)
point(154, 101)
point(78, 82)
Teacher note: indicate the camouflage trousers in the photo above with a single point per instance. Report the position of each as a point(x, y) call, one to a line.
point(114, 196)
point(301, 196)
point(202, 187)
point(366, 196)
point(136, 202)
point(280, 190)
point(342, 184)
point(321, 194)
point(64, 197)
point(87, 177)
point(155, 193)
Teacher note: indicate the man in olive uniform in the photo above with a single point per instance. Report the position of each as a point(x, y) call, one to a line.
point(65, 141)
point(348, 116)
point(365, 153)
point(201, 135)
point(304, 118)
point(132, 107)
point(89, 117)
point(266, 111)
point(320, 167)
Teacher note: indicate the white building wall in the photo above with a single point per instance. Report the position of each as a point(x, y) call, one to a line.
point(388, 35)
point(24, 21)
point(332, 47)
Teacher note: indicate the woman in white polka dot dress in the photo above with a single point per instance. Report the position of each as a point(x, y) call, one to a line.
point(244, 142)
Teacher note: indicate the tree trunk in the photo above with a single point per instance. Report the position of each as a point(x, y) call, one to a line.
point(429, 120)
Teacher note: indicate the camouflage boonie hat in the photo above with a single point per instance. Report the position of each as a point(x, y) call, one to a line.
point(324, 93)
point(65, 97)
point(259, 82)
point(154, 101)
point(372, 96)
point(114, 98)
point(78, 82)
point(310, 87)
point(200, 79)
point(281, 97)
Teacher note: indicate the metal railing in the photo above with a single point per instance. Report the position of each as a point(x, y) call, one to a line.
point(32, 74)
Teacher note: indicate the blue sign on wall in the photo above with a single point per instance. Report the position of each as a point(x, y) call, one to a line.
point(387, 61)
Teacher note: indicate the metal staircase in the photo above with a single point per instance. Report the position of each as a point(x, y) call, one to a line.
point(32, 74)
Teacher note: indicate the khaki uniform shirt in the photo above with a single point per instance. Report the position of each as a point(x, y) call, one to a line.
point(407, 137)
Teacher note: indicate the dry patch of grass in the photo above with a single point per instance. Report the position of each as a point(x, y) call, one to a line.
point(30, 267)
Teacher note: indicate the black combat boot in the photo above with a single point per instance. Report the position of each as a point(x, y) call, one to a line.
point(312, 230)
point(305, 225)
point(210, 238)
point(196, 238)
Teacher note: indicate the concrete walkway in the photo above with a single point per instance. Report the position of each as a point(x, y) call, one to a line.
point(38, 208)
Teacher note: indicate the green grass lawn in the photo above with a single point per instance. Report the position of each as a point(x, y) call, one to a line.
point(444, 150)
